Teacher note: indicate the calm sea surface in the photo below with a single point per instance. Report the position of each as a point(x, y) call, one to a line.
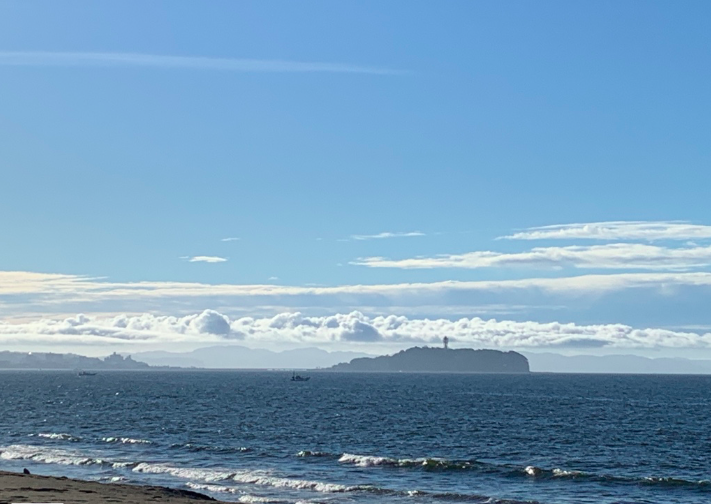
point(392, 438)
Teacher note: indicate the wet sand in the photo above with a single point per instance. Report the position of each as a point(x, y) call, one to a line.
point(15, 487)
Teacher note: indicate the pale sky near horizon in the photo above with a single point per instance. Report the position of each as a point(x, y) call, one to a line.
point(356, 175)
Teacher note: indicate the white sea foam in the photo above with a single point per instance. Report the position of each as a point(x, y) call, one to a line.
point(47, 455)
point(121, 465)
point(255, 499)
point(265, 478)
point(246, 498)
point(125, 440)
point(212, 488)
point(309, 453)
point(562, 473)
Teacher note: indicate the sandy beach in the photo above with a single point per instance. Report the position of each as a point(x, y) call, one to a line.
point(16, 487)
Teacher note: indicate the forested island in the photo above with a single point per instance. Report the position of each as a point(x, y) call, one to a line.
point(440, 360)
point(48, 360)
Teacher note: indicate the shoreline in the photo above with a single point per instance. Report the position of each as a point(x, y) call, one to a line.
point(18, 487)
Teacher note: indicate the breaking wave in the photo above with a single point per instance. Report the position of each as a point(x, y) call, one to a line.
point(211, 448)
point(425, 462)
point(47, 455)
point(228, 477)
point(57, 436)
point(514, 471)
point(57, 456)
point(309, 453)
point(256, 477)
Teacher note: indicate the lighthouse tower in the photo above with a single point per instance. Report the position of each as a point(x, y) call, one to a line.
point(445, 340)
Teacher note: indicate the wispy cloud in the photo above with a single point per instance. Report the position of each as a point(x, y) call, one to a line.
point(380, 236)
point(57, 291)
point(353, 327)
point(616, 230)
point(207, 259)
point(612, 256)
point(102, 59)
point(229, 239)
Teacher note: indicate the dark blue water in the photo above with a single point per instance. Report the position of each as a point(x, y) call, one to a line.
point(401, 438)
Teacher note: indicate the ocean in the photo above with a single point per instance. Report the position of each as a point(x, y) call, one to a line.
point(350, 438)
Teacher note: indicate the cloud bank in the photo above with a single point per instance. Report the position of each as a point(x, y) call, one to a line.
point(616, 230)
point(112, 60)
point(211, 326)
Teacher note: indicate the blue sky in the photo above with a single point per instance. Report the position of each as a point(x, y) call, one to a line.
point(136, 137)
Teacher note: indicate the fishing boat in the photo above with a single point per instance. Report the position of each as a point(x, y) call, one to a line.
point(295, 377)
point(86, 373)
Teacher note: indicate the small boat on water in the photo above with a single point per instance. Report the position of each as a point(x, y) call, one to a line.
point(86, 373)
point(295, 377)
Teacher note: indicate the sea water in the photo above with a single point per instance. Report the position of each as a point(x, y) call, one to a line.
point(349, 438)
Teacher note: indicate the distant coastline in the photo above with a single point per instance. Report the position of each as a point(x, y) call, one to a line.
point(57, 361)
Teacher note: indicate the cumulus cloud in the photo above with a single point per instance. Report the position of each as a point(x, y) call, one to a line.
point(95, 59)
point(207, 259)
point(211, 326)
point(230, 239)
point(610, 256)
point(616, 230)
point(380, 236)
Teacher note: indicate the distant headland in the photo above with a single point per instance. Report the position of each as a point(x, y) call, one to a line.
point(42, 360)
point(440, 360)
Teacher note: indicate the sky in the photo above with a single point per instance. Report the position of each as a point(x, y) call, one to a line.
point(355, 175)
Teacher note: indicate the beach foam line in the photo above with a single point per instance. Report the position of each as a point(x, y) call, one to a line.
point(246, 498)
point(59, 456)
point(47, 455)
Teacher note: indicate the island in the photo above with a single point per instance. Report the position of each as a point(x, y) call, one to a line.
point(48, 360)
point(440, 360)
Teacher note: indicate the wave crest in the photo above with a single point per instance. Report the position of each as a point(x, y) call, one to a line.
point(125, 440)
point(57, 436)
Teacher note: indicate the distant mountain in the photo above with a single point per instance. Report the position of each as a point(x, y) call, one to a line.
point(632, 364)
point(239, 357)
point(42, 360)
point(464, 360)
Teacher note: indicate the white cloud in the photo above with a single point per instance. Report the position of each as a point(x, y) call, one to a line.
point(230, 239)
point(211, 326)
point(610, 256)
point(55, 288)
point(207, 259)
point(387, 234)
point(616, 230)
point(96, 59)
